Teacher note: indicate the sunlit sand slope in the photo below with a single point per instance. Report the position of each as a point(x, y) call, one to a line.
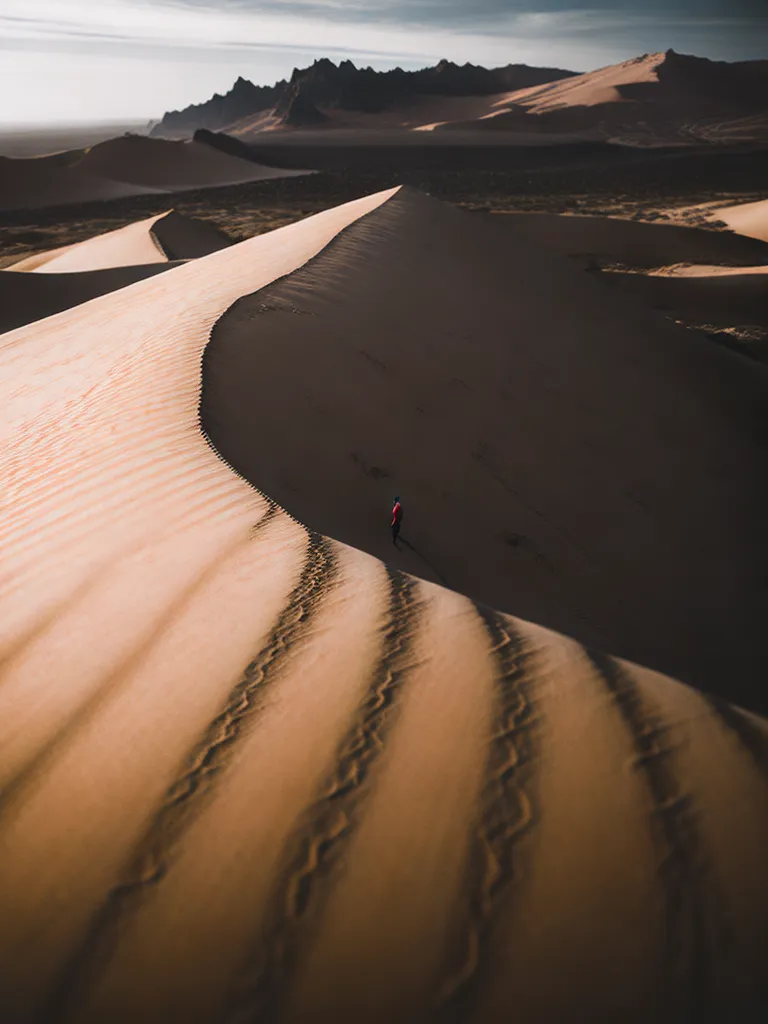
point(249, 773)
point(748, 218)
point(25, 298)
point(167, 236)
point(560, 455)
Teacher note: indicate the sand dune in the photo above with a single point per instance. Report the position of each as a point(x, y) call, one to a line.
point(648, 100)
point(25, 298)
point(605, 85)
point(126, 166)
point(722, 293)
point(172, 166)
point(450, 362)
point(158, 239)
point(237, 737)
point(36, 183)
point(713, 294)
point(634, 243)
point(748, 219)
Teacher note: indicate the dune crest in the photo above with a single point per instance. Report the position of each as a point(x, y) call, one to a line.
point(248, 770)
point(164, 237)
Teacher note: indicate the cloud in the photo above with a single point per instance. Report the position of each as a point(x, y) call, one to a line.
point(382, 29)
point(187, 49)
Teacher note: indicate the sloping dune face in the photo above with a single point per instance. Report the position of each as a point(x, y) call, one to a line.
point(635, 243)
point(127, 166)
point(253, 774)
point(25, 298)
point(33, 184)
point(129, 246)
point(159, 163)
point(167, 236)
point(713, 281)
point(748, 218)
point(559, 454)
point(656, 97)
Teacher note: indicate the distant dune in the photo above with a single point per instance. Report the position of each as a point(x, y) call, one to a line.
point(250, 773)
point(36, 183)
point(654, 99)
point(124, 166)
point(171, 166)
point(28, 141)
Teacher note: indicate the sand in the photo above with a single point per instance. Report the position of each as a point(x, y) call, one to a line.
point(655, 99)
point(748, 218)
point(479, 388)
point(126, 166)
point(36, 183)
point(719, 295)
point(250, 772)
point(172, 166)
point(710, 280)
point(25, 298)
point(166, 236)
point(602, 240)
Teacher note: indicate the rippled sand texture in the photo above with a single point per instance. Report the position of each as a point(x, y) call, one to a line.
point(249, 773)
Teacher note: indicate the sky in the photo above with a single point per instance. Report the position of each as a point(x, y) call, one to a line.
point(78, 61)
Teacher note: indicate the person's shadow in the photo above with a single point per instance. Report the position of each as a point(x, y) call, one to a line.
point(424, 559)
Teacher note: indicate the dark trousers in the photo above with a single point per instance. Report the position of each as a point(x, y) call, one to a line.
point(395, 532)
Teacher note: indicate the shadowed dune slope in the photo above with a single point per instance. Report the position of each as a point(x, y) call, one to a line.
point(561, 455)
point(184, 238)
point(127, 166)
point(226, 741)
point(721, 297)
point(25, 298)
point(158, 239)
point(172, 166)
point(36, 183)
point(635, 243)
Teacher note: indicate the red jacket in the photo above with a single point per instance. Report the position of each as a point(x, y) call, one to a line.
point(397, 513)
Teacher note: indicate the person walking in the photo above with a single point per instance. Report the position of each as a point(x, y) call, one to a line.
point(397, 518)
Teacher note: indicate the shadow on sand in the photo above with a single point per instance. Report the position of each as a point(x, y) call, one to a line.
point(425, 560)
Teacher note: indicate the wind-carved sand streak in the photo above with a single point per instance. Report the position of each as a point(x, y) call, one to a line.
point(689, 956)
point(506, 810)
point(29, 742)
point(190, 793)
point(749, 731)
point(323, 836)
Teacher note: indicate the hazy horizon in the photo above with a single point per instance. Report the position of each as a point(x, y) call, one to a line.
point(91, 62)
